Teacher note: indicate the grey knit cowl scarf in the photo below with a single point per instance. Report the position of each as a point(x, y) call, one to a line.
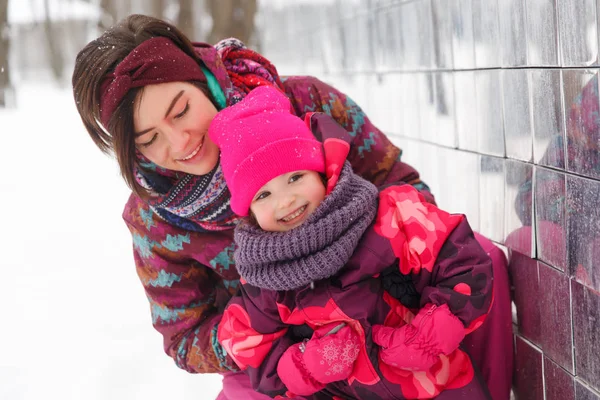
point(315, 250)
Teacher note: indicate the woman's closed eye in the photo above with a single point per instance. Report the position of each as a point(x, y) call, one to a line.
point(178, 116)
point(183, 112)
point(148, 143)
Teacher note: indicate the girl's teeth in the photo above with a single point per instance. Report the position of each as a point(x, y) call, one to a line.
point(294, 215)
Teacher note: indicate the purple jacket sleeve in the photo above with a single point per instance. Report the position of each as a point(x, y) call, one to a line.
point(186, 297)
point(372, 154)
point(461, 278)
point(439, 251)
point(254, 335)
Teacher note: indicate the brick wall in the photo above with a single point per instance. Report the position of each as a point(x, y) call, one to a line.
point(495, 102)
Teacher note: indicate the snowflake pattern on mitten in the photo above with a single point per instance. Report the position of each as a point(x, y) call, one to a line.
point(339, 356)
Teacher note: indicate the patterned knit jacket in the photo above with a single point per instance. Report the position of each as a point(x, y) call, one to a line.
point(437, 250)
point(189, 276)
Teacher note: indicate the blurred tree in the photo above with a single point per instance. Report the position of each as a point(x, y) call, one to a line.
point(185, 18)
point(109, 14)
point(53, 41)
point(158, 8)
point(5, 88)
point(231, 18)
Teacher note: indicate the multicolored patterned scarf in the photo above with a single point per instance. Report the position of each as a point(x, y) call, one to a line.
point(201, 203)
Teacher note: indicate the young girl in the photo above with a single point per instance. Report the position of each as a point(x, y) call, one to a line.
point(310, 257)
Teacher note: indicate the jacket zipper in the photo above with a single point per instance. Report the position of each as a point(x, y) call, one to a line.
point(427, 315)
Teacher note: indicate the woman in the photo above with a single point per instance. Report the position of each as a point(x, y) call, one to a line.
point(148, 95)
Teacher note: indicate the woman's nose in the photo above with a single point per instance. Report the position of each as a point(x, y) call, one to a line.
point(178, 140)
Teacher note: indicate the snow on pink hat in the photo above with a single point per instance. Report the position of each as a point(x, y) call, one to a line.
point(260, 138)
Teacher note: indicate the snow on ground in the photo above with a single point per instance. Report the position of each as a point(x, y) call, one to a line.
point(75, 320)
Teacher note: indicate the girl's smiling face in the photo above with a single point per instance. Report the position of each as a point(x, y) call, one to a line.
point(171, 123)
point(286, 201)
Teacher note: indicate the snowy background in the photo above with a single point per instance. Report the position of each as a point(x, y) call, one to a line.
point(75, 323)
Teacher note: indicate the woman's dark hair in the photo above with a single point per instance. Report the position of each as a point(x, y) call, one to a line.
point(98, 59)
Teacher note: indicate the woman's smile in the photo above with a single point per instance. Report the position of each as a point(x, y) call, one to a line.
point(195, 152)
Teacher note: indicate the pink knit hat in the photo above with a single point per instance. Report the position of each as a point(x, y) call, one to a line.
point(260, 138)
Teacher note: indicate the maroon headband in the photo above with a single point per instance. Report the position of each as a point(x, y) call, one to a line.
point(156, 60)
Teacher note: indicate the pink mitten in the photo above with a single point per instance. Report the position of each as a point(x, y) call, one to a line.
point(418, 345)
point(293, 372)
point(330, 354)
